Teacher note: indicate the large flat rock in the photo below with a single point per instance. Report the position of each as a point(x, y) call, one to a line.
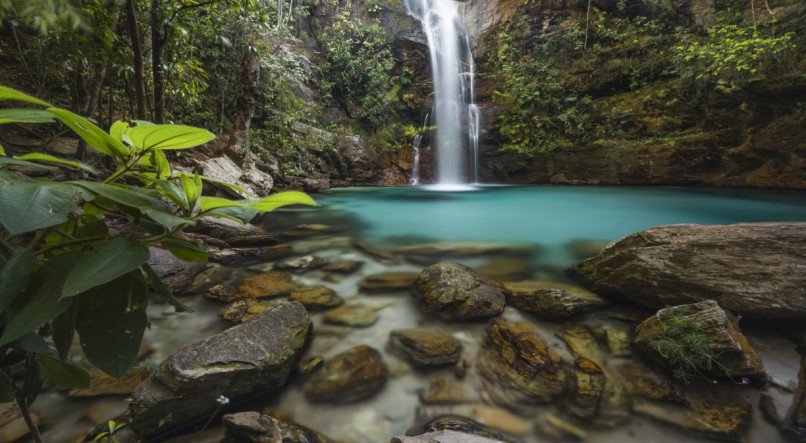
point(756, 269)
point(252, 358)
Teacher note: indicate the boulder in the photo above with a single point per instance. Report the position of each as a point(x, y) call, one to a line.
point(357, 316)
point(717, 421)
point(343, 266)
point(253, 427)
point(317, 298)
point(425, 347)
point(458, 423)
point(444, 437)
point(175, 273)
point(254, 357)
point(589, 383)
point(102, 384)
point(757, 270)
point(717, 337)
point(243, 310)
point(241, 255)
point(797, 414)
point(517, 365)
point(457, 292)
point(301, 264)
point(248, 177)
point(388, 282)
point(268, 285)
point(350, 376)
point(554, 301)
point(446, 391)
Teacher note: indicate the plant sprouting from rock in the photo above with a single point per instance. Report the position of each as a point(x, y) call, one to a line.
point(683, 343)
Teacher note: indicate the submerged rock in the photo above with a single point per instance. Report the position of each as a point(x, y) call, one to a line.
point(209, 277)
point(555, 301)
point(317, 298)
point(350, 376)
point(103, 384)
point(270, 284)
point(644, 382)
point(797, 415)
point(388, 281)
point(254, 357)
point(357, 316)
point(722, 422)
point(257, 428)
point(589, 384)
point(446, 391)
point(301, 264)
point(518, 366)
point(444, 437)
point(458, 423)
point(243, 310)
point(718, 339)
point(457, 292)
point(425, 347)
point(756, 269)
point(452, 249)
point(343, 266)
point(506, 269)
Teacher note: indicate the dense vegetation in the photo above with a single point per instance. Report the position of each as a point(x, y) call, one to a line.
point(614, 74)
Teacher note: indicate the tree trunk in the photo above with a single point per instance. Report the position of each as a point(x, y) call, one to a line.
point(157, 48)
point(137, 50)
point(248, 93)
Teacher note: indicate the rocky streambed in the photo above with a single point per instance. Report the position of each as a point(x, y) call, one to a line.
point(310, 335)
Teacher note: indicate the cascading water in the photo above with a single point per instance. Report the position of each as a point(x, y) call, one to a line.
point(418, 140)
point(455, 112)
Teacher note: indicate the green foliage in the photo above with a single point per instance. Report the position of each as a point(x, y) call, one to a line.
point(682, 342)
point(358, 68)
point(733, 53)
point(62, 272)
point(541, 113)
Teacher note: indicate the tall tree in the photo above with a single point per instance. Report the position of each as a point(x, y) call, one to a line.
point(137, 51)
point(249, 91)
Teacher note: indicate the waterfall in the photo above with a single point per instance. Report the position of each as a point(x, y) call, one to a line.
point(418, 139)
point(455, 112)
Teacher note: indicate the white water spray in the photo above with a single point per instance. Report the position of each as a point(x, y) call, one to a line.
point(418, 140)
point(455, 112)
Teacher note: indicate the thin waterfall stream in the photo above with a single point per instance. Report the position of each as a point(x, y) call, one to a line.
point(456, 114)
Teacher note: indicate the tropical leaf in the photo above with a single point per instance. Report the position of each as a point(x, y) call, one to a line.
point(186, 251)
point(7, 93)
point(65, 374)
point(14, 277)
point(167, 219)
point(118, 130)
point(141, 199)
point(43, 303)
point(275, 201)
point(163, 291)
point(24, 115)
point(26, 206)
point(109, 331)
point(210, 203)
point(16, 162)
point(167, 137)
point(47, 158)
point(106, 262)
point(95, 137)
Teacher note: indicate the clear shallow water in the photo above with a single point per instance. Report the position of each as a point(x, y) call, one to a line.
point(548, 216)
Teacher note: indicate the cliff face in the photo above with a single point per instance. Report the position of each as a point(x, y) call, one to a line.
point(749, 136)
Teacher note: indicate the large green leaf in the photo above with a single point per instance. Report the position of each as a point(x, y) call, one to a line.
point(14, 277)
point(186, 251)
point(15, 162)
point(118, 130)
point(141, 199)
point(168, 137)
point(64, 373)
point(106, 262)
point(167, 219)
point(64, 329)
point(43, 304)
point(7, 93)
point(174, 191)
point(30, 205)
point(95, 137)
point(275, 201)
point(24, 115)
point(211, 203)
point(110, 333)
point(47, 158)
